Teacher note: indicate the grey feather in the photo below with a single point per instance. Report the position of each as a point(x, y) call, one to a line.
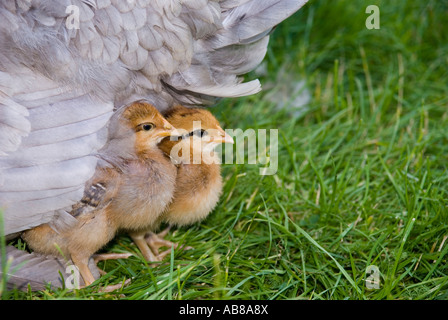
point(135, 60)
point(236, 59)
point(203, 17)
point(100, 4)
point(46, 153)
point(123, 6)
point(35, 194)
point(109, 21)
point(60, 133)
point(150, 38)
point(251, 19)
point(63, 174)
point(86, 11)
point(63, 221)
point(229, 4)
point(111, 49)
point(129, 42)
point(13, 125)
point(39, 271)
point(134, 19)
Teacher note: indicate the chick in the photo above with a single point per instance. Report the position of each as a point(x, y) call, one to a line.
point(133, 184)
point(198, 181)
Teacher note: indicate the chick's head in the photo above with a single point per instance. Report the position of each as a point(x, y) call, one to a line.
point(197, 128)
point(149, 125)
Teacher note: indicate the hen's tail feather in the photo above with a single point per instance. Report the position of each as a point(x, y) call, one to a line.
point(40, 271)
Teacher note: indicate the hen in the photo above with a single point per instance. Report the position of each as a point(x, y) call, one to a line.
point(66, 65)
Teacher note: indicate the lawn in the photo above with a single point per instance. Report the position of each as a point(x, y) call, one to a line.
point(362, 118)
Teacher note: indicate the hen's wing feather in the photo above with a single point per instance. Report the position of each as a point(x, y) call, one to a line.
point(51, 164)
point(13, 124)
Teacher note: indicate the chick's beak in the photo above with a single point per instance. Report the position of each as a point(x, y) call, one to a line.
point(167, 130)
point(223, 137)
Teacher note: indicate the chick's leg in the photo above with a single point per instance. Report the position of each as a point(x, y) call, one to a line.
point(139, 240)
point(157, 241)
point(82, 263)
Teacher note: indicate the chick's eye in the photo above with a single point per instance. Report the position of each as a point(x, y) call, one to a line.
point(200, 133)
point(147, 126)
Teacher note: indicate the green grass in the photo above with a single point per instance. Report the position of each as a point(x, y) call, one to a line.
point(362, 176)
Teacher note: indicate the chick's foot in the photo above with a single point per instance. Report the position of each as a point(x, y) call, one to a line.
point(157, 241)
point(111, 256)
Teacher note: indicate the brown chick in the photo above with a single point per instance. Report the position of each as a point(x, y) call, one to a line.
point(198, 181)
point(133, 184)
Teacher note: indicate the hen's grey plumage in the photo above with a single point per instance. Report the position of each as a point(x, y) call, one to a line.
point(45, 271)
point(66, 64)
